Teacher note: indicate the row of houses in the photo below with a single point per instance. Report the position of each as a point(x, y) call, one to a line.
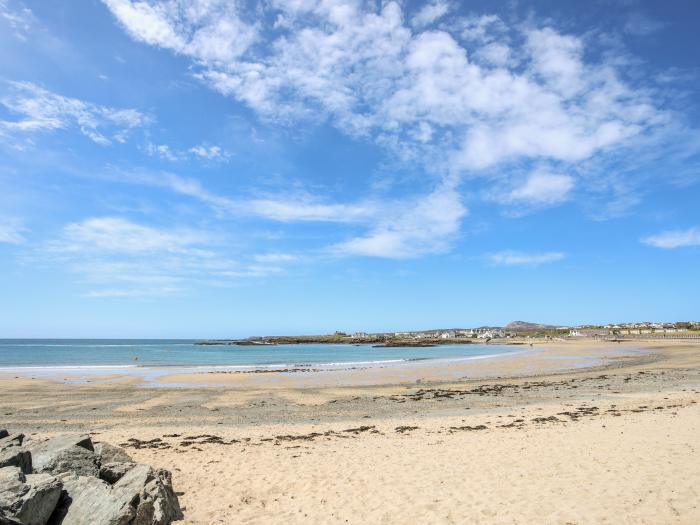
point(479, 333)
point(592, 332)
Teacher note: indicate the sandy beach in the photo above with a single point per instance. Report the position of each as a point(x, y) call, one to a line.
point(565, 432)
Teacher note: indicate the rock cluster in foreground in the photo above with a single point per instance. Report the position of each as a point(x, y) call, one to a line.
point(69, 481)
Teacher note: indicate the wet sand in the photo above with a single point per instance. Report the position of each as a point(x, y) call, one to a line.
point(534, 437)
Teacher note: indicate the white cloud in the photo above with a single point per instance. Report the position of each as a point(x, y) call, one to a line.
point(276, 257)
point(297, 206)
point(204, 151)
point(397, 229)
point(122, 258)
point(201, 152)
point(307, 207)
point(429, 13)
point(182, 185)
point(113, 234)
point(368, 73)
point(18, 17)
point(161, 150)
point(482, 29)
point(674, 239)
point(417, 228)
point(11, 231)
point(515, 258)
point(206, 30)
point(132, 292)
point(542, 189)
point(469, 100)
point(40, 110)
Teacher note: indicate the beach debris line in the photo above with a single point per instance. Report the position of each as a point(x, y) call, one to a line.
point(70, 480)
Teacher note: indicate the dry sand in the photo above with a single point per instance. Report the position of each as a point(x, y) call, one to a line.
point(512, 440)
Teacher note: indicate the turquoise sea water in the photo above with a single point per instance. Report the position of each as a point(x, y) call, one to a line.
point(50, 353)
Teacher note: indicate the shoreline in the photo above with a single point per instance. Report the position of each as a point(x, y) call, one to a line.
point(549, 357)
point(85, 372)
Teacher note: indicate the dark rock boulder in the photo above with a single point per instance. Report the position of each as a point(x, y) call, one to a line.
point(3, 433)
point(28, 499)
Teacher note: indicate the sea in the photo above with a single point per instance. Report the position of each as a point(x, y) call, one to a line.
point(159, 353)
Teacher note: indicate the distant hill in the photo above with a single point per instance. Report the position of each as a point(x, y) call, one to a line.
point(522, 326)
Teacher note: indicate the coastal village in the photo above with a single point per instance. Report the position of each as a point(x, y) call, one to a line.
point(518, 329)
point(512, 332)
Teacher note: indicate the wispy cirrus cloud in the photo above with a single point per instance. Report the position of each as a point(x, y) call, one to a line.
point(408, 227)
point(39, 110)
point(11, 231)
point(516, 258)
point(114, 234)
point(118, 257)
point(17, 16)
point(674, 238)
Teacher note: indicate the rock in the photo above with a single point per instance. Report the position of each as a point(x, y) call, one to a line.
point(89, 501)
point(143, 496)
point(11, 486)
point(65, 454)
point(28, 499)
point(11, 440)
point(113, 472)
point(112, 454)
point(72, 459)
point(65, 441)
point(39, 503)
point(125, 493)
point(16, 457)
point(3, 433)
point(13, 454)
point(153, 489)
point(7, 520)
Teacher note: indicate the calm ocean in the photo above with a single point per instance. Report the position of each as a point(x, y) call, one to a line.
point(48, 353)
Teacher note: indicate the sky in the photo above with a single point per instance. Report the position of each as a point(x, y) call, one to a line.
point(227, 168)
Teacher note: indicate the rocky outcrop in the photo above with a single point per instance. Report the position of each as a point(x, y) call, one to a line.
point(76, 483)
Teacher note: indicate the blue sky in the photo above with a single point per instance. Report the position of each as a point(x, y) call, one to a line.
point(192, 168)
